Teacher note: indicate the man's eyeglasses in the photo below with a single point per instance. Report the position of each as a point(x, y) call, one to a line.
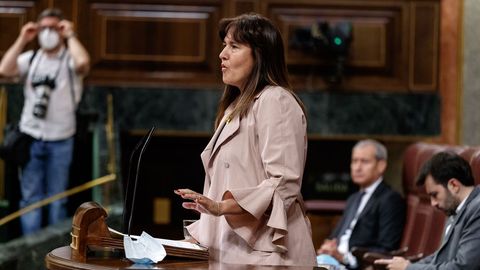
point(41, 28)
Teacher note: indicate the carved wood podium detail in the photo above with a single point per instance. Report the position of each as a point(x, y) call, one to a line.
point(89, 229)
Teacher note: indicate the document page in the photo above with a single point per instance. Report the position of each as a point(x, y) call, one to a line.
point(166, 242)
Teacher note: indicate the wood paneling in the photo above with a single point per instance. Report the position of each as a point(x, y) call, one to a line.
point(450, 66)
point(370, 35)
point(378, 52)
point(152, 43)
point(13, 15)
point(394, 47)
point(68, 7)
point(189, 32)
point(395, 42)
point(424, 46)
point(244, 6)
point(322, 226)
point(370, 52)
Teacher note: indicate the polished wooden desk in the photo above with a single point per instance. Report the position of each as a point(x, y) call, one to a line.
point(60, 259)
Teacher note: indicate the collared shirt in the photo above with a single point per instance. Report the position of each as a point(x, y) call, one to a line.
point(343, 246)
point(459, 207)
point(59, 121)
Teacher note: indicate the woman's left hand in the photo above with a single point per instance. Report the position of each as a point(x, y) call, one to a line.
point(200, 203)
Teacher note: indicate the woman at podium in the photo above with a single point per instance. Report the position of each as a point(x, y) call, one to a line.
point(251, 208)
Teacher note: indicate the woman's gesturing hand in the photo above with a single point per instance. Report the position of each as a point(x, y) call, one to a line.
point(200, 203)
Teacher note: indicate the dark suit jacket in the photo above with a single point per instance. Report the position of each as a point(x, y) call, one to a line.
point(380, 225)
point(461, 248)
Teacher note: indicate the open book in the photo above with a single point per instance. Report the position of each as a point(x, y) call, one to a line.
point(176, 248)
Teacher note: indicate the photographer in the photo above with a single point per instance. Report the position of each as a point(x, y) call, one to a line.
point(52, 79)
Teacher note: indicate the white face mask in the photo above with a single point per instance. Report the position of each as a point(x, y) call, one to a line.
point(48, 39)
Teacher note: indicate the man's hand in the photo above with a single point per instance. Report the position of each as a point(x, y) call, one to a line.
point(66, 28)
point(330, 247)
point(80, 56)
point(8, 64)
point(397, 263)
point(29, 32)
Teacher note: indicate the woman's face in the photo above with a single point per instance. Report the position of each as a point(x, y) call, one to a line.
point(237, 62)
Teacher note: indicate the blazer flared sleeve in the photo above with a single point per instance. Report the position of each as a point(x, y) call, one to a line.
point(280, 131)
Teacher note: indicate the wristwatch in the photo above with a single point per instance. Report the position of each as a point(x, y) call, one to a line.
point(69, 36)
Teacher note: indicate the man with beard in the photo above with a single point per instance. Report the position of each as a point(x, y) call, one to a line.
point(449, 182)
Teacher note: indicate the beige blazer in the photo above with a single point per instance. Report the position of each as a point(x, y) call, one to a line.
point(260, 159)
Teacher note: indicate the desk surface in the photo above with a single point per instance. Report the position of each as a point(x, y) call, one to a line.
point(60, 259)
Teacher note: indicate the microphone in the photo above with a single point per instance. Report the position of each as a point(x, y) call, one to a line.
point(142, 145)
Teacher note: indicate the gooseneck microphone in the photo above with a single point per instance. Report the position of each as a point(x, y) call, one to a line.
point(142, 145)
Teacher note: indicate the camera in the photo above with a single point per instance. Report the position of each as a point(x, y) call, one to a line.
point(42, 87)
point(328, 40)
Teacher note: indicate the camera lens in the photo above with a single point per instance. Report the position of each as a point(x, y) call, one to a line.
point(42, 92)
point(39, 110)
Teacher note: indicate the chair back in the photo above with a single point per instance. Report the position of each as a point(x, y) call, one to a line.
point(425, 224)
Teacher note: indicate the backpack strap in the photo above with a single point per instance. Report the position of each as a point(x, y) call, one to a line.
point(70, 81)
point(32, 57)
point(30, 61)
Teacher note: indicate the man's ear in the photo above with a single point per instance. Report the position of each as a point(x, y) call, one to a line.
point(453, 185)
point(382, 166)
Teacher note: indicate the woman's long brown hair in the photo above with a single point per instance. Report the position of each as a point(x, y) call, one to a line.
point(268, 54)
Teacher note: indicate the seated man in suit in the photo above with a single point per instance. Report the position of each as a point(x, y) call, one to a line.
point(449, 182)
point(374, 216)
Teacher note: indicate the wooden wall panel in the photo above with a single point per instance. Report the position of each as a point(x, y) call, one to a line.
point(378, 52)
point(424, 41)
point(13, 15)
point(244, 6)
point(370, 47)
point(370, 36)
point(68, 7)
point(164, 42)
point(186, 38)
point(174, 44)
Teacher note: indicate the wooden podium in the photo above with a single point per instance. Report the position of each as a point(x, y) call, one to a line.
point(89, 230)
point(61, 259)
point(94, 247)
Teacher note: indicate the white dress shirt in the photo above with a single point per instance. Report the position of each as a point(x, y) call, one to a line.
point(452, 218)
point(343, 246)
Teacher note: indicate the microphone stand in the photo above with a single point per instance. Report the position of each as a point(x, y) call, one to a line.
point(143, 144)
